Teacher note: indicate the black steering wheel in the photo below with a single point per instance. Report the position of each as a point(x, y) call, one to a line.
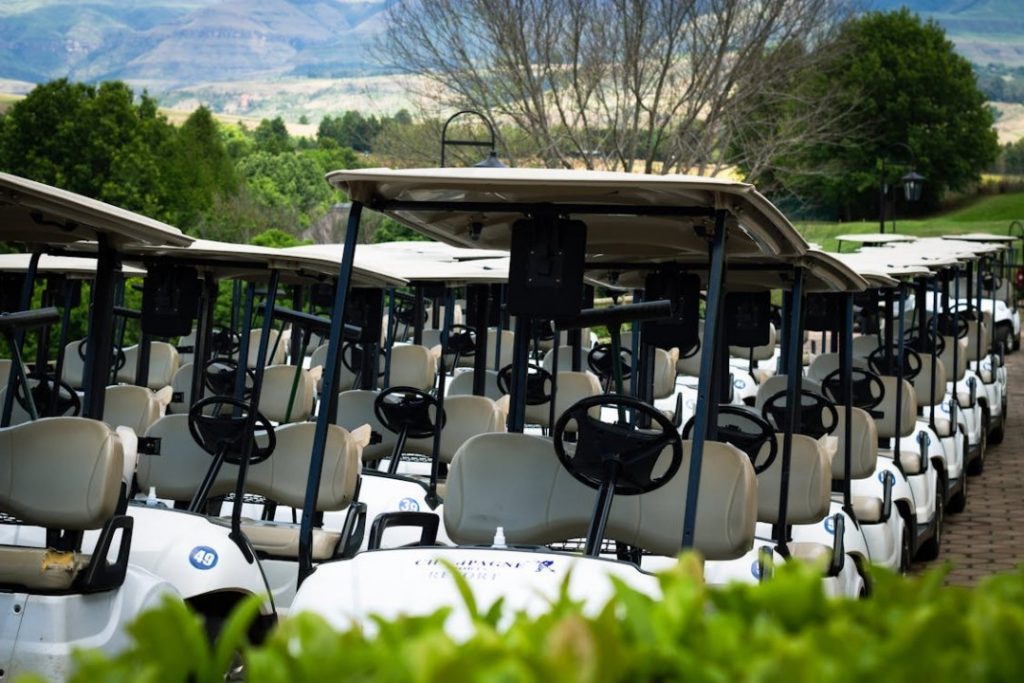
point(926, 342)
point(601, 360)
point(461, 340)
point(816, 417)
point(406, 313)
point(867, 388)
point(224, 341)
point(540, 330)
point(539, 383)
point(880, 365)
point(746, 430)
point(991, 281)
point(117, 359)
point(692, 351)
point(219, 376)
point(219, 425)
point(352, 358)
point(954, 323)
point(407, 408)
point(67, 402)
point(624, 454)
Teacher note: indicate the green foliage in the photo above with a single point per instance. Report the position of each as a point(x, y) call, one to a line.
point(1001, 83)
point(1012, 157)
point(391, 230)
point(271, 136)
point(290, 181)
point(277, 239)
point(783, 629)
point(903, 84)
point(200, 168)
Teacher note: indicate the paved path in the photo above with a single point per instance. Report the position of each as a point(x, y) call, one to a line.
point(988, 536)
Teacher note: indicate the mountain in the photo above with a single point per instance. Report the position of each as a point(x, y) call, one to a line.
point(302, 57)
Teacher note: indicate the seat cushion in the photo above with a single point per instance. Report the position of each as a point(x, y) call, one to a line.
point(42, 569)
point(282, 540)
point(868, 509)
point(811, 552)
point(910, 461)
point(943, 427)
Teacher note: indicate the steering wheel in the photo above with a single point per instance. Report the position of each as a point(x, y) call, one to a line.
point(925, 343)
point(747, 431)
point(623, 453)
point(911, 362)
point(68, 402)
point(689, 353)
point(118, 355)
point(406, 408)
point(946, 325)
point(867, 388)
point(406, 313)
point(600, 360)
point(540, 329)
point(461, 340)
point(224, 341)
point(219, 376)
point(810, 417)
point(352, 358)
point(991, 281)
point(538, 383)
point(218, 430)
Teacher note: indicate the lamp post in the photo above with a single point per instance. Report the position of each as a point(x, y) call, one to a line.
point(491, 160)
point(913, 183)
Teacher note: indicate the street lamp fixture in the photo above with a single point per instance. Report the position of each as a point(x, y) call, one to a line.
point(913, 183)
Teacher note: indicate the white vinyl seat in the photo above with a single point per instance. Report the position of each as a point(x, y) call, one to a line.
point(810, 484)
point(462, 384)
point(181, 464)
point(355, 409)
point(664, 373)
point(516, 481)
point(465, 417)
point(163, 364)
point(926, 392)
point(282, 478)
point(690, 366)
point(413, 366)
point(186, 347)
point(564, 359)
point(87, 456)
point(181, 388)
point(885, 422)
point(572, 386)
point(976, 351)
point(863, 460)
point(73, 370)
point(863, 345)
point(776, 383)
point(346, 378)
point(277, 347)
point(954, 373)
point(760, 353)
point(288, 394)
point(127, 405)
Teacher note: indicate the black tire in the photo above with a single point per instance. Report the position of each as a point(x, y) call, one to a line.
point(1014, 342)
point(929, 550)
point(977, 466)
point(906, 551)
point(958, 502)
point(998, 431)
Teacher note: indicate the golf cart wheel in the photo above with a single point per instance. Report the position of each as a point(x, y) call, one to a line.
point(998, 431)
point(929, 550)
point(958, 502)
point(906, 552)
point(977, 466)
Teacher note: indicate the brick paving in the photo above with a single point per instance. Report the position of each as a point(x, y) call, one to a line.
point(988, 536)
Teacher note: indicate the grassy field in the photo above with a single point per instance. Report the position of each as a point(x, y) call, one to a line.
point(986, 214)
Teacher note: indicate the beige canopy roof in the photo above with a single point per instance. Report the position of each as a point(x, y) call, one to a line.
point(879, 269)
point(446, 265)
point(72, 266)
point(662, 218)
point(874, 238)
point(36, 213)
point(983, 237)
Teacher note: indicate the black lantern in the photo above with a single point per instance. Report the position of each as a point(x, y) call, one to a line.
point(913, 183)
point(492, 161)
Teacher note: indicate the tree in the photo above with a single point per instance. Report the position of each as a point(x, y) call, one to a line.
point(906, 88)
point(271, 136)
point(291, 182)
point(200, 168)
point(651, 85)
point(1013, 157)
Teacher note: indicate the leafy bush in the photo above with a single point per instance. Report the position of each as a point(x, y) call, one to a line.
point(784, 629)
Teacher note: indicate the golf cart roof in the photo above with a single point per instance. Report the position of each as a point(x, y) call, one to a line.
point(433, 250)
point(983, 237)
point(72, 266)
point(908, 260)
point(878, 271)
point(629, 217)
point(870, 239)
point(434, 265)
point(965, 248)
point(34, 212)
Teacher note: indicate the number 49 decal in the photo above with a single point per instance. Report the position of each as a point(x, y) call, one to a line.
point(203, 557)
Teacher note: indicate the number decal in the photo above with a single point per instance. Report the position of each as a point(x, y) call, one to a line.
point(203, 557)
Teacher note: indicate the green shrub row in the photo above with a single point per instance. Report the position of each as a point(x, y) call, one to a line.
point(786, 629)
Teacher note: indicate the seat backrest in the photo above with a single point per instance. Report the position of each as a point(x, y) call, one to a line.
point(413, 366)
point(763, 352)
point(564, 359)
point(5, 371)
point(181, 386)
point(187, 342)
point(976, 352)
point(275, 356)
point(465, 417)
point(462, 384)
point(885, 419)
point(516, 481)
point(777, 383)
point(163, 363)
point(864, 445)
point(810, 484)
point(926, 392)
point(285, 397)
point(346, 378)
point(282, 477)
point(822, 366)
point(127, 405)
point(960, 368)
point(61, 472)
point(181, 465)
point(572, 386)
point(664, 373)
point(508, 340)
point(73, 370)
point(690, 367)
point(863, 345)
point(355, 409)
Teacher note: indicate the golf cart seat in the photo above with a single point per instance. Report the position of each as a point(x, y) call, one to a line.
point(413, 366)
point(73, 370)
point(664, 373)
point(355, 409)
point(810, 484)
point(926, 392)
point(462, 384)
point(885, 422)
point(947, 359)
point(572, 386)
point(465, 417)
point(778, 383)
point(277, 347)
point(283, 477)
point(179, 467)
point(278, 401)
point(163, 364)
point(976, 351)
point(346, 378)
point(517, 482)
point(186, 347)
point(5, 371)
point(564, 359)
point(863, 441)
point(87, 455)
point(864, 345)
point(181, 388)
point(760, 353)
point(825, 364)
point(508, 340)
point(127, 405)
